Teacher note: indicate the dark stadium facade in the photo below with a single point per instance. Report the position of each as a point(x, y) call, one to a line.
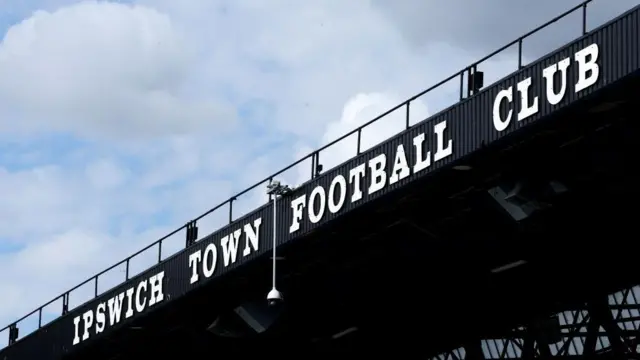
point(466, 134)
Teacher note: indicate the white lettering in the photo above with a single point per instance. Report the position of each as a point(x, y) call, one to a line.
point(156, 288)
point(378, 174)
point(338, 182)
point(441, 151)
point(355, 175)
point(251, 236)
point(230, 247)
point(498, 123)
point(194, 262)
point(206, 264)
point(588, 69)
point(210, 260)
point(136, 303)
point(400, 167)
point(423, 160)
point(140, 305)
point(101, 319)
point(317, 194)
point(588, 73)
point(129, 294)
point(76, 325)
point(115, 309)
point(526, 109)
point(548, 73)
point(87, 318)
point(297, 205)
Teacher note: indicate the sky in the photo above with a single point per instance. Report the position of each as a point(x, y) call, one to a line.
point(122, 120)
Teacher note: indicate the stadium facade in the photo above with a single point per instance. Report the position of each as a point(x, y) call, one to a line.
point(504, 216)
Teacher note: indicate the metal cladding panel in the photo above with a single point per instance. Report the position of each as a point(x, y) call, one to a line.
point(469, 126)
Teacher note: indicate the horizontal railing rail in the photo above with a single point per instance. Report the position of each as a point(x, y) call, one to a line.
point(191, 228)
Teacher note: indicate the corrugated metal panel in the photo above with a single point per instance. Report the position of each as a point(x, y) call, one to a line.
point(469, 125)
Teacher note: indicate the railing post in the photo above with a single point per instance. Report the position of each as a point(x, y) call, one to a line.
point(359, 140)
point(192, 233)
point(584, 18)
point(469, 81)
point(13, 333)
point(65, 303)
point(313, 165)
point(126, 271)
point(316, 168)
point(462, 84)
point(408, 113)
point(95, 285)
point(159, 251)
point(231, 200)
point(520, 53)
point(39, 318)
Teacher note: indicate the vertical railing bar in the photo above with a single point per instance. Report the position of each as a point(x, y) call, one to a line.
point(190, 233)
point(520, 53)
point(461, 84)
point(231, 209)
point(95, 286)
point(408, 113)
point(126, 271)
point(469, 78)
point(160, 251)
point(359, 140)
point(471, 88)
point(11, 327)
point(316, 171)
point(65, 303)
point(194, 231)
point(40, 318)
point(187, 236)
point(584, 18)
point(313, 165)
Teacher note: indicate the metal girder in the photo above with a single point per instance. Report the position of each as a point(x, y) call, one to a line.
point(609, 325)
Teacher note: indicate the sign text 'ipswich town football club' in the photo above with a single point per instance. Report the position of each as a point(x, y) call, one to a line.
point(350, 186)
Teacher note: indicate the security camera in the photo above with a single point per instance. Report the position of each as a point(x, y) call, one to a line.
point(274, 297)
point(273, 186)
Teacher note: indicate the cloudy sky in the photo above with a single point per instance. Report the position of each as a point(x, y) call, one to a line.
point(122, 120)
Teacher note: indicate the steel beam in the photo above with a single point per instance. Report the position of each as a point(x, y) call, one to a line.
point(605, 326)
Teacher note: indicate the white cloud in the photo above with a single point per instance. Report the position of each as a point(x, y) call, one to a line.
point(73, 250)
point(105, 174)
point(123, 67)
point(358, 111)
point(487, 25)
point(146, 96)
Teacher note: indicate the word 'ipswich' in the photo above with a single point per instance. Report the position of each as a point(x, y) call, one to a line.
point(134, 300)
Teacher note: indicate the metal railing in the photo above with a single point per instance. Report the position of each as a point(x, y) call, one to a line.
point(191, 228)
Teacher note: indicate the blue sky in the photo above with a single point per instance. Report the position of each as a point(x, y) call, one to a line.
point(119, 122)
